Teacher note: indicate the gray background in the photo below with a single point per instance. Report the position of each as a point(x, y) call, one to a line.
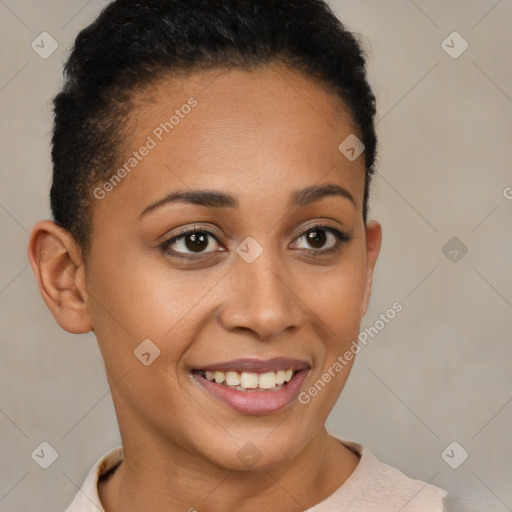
point(439, 372)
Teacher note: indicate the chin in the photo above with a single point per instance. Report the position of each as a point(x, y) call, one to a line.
point(255, 453)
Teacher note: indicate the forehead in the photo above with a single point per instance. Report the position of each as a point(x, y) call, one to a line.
point(259, 132)
point(272, 100)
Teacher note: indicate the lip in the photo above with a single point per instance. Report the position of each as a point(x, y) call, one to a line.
point(252, 365)
point(255, 402)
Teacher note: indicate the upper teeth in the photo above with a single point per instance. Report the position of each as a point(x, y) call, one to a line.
point(248, 380)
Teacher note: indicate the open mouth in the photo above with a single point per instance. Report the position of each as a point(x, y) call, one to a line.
point(253, 386)
point(249, 381)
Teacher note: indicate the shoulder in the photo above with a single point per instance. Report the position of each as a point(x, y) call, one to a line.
point(375, 486)
point(87, 498)
point(400, 490)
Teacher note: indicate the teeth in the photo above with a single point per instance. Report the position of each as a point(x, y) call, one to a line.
point(249, 380)
point(232, 379)
point(267, 380)
point(219, 377)
point(246, 380)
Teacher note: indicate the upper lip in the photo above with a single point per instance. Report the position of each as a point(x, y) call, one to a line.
point(257, 365)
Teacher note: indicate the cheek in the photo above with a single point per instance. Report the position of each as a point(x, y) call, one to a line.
point(132, 298)
point(338, 300)
point(338, 304)
point(142, 305)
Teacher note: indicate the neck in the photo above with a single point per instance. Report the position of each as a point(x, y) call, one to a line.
point(152, 479)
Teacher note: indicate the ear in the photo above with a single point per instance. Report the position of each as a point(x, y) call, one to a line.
point(60, 272)
point(373, 244)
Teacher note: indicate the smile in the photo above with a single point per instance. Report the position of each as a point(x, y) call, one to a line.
point(268, 388)
point(245, 381)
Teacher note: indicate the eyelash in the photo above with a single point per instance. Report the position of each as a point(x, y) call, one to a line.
point(341, 239)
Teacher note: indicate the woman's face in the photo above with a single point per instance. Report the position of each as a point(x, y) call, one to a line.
point(258, 290)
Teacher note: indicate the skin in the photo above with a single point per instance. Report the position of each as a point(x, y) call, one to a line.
point(180, 443)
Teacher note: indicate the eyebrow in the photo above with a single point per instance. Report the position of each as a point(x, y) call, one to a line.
point(215, 199)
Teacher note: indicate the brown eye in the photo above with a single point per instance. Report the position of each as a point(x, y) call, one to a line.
point(194, 241)
point(317, 237)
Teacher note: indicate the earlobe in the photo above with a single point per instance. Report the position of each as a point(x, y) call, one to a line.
point(60, 272)
point(373, 245)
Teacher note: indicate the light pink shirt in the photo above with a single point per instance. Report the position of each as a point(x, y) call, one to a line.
point(373, 487)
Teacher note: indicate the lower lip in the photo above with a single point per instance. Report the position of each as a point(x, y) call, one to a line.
point(255, 402)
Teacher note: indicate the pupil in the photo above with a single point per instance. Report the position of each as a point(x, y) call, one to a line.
point(194, 241)
point(317, 237)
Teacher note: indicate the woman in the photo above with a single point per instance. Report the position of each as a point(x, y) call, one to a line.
point(212, 166)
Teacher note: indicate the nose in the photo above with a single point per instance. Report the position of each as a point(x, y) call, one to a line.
point(262, 299)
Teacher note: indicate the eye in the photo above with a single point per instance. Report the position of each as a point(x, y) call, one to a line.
point(320, 236)
point(191, 241)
